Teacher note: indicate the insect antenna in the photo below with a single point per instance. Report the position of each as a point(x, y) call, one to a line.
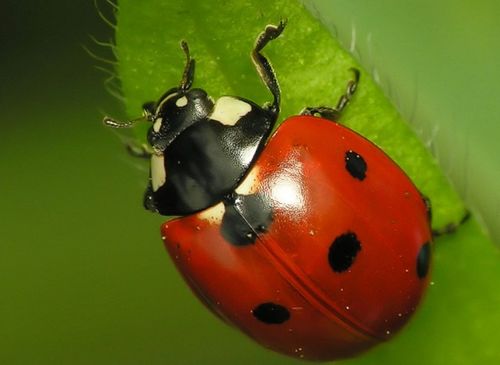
point(188, 74)
point(113, 123)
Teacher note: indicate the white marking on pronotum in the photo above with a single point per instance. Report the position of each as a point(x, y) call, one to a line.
point(157, 124)
point(249, 184)
point(181, 102)
point(158, 173)
point(213, 214)
point(229, 110)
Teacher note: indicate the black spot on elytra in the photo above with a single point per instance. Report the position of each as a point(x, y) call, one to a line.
point(271, 313)
point(244, 218)
point(343, 251)
point(355, 165)
point(424, 260)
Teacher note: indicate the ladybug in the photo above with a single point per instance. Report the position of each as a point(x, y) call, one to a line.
point(312, 241)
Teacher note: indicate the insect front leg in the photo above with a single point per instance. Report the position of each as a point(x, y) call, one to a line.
point(264, 68)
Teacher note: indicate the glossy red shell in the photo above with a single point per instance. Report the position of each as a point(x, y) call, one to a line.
point(302, 173)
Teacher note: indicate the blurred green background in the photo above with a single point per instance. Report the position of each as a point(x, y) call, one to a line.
point(439, 63)
point(84, 278)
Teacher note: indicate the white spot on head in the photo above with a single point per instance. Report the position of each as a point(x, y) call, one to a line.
point(213, 214)
point(158, 173)
point(229, 110)
point(181, 102)
point(157, 124)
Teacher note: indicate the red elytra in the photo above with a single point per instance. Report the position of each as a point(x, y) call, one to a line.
point(286, 290)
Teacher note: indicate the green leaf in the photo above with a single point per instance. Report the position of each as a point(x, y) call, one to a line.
point(460, 315)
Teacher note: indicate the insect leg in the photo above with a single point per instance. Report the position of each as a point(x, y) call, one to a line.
point(263, 66)
point(335, 113)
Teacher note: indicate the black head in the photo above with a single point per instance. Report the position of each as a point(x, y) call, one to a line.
point(177, 109)
point(173, 113)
